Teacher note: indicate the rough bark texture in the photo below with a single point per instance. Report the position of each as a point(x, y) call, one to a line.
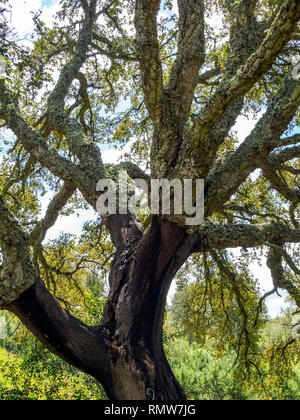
point(125, 353)
point(141, 277)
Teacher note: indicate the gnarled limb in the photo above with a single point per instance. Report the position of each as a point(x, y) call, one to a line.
point(35, 144)
point(148, 54)
point(17, 274)
point(213, 236)
point(85, 149)
point(274, 263)
point(64, 335)
point(286, 154)
point(258, 64)
point(245, 33)
point(23, 293)
point(287, 141)
point(189, 59)
point(222, 181)
point(245, 37)
point(277, 183)
point(71, 68)
point(204, 77)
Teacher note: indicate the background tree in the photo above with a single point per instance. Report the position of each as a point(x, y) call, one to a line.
point(176, 86)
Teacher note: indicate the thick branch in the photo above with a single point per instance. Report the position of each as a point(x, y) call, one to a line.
point(279, 184)
point(35, 144)
point(287, 141)
point(148, 55)
point(23, 293)
point(245, 78)
point(274, 263)
point(82, 147)
point(247, 236)
point(190, 57)
point(16, 274)
point(245, 38)
point(204, 77)
point(71, 68)
point(286, 154)
point(245, 32)
point(223, 181)
point(61, 333)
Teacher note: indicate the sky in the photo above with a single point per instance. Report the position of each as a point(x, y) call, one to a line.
point(21, 19)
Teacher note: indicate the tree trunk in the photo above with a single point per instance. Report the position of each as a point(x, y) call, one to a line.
point(125, 353)
point(140, 280)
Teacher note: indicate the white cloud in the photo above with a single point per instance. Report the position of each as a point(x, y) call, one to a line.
point(115, 155)
point(244, 125)
point(70, 224)
point(111, 156)
point(49, 12)
point(21, 15)
point(215, 21)
point(175, 7)
point(276, 305)
point(262, 273)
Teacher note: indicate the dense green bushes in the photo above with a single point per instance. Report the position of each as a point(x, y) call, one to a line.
point(41, 376)
point(205, 377)
point(30, 372)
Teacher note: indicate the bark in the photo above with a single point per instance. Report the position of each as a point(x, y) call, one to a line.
point(64, 335)
point(141, 276)
point(125, 353)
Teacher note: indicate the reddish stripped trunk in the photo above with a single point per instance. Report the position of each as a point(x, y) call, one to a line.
point(140, 279)
point(125, 353)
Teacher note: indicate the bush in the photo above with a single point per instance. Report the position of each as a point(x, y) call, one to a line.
point(202, 376)
point(41, 376)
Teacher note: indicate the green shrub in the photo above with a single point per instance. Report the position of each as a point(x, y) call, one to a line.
point(202, 376)
point(42, 376)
